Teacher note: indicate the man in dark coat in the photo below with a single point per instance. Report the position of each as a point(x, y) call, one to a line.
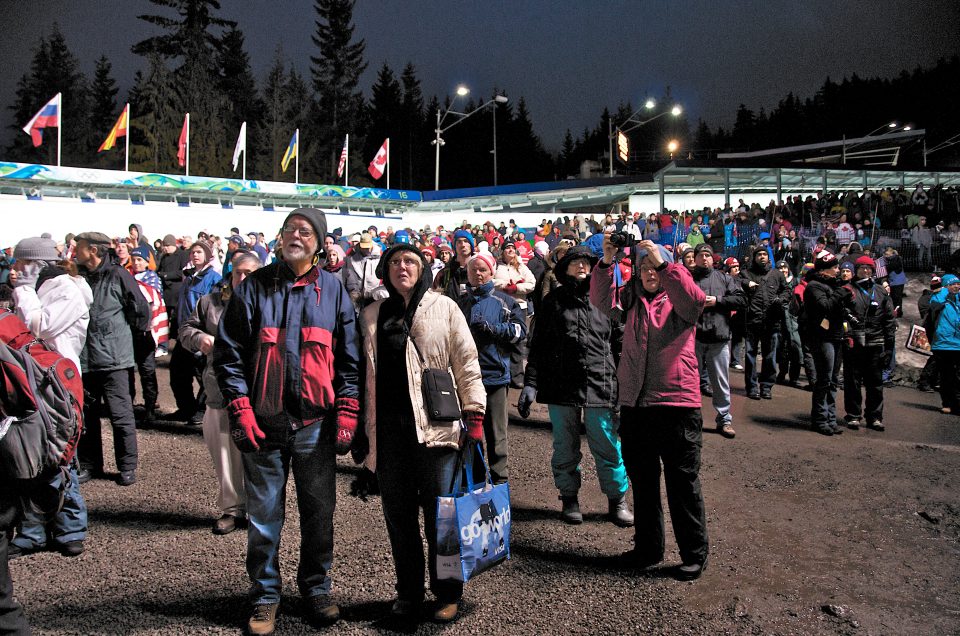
point(571, 368)
point(824, 302)
point(767, 295)
point(173, 260)
point(118, 311)
point(724, 295)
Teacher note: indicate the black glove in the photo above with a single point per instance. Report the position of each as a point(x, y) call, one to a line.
point(482, 328)
point(527, 396)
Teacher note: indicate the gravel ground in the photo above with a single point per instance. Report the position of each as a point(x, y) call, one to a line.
point(855, 534)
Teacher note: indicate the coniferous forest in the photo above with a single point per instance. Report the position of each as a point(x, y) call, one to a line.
point(197, 62)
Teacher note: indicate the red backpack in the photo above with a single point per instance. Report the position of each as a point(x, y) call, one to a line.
point(41, 404)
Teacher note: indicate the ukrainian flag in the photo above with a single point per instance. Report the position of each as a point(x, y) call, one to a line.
point(291, 150)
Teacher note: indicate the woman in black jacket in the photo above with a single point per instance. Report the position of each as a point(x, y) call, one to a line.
point(571, 368)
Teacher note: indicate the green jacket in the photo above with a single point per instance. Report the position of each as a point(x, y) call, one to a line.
point(119, 309)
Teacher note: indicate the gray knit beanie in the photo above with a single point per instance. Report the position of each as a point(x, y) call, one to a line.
point(36, 249)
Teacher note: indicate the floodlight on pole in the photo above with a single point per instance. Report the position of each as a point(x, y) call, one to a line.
point(438, 141)
point(676, 111)
point(672, 147)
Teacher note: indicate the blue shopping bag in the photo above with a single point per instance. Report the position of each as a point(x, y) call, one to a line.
point(473, 524)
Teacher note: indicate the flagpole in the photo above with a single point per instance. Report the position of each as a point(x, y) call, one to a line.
point(188, 146)
point(126, 155)
point(346, 164)
point(296, 168)
point(244, 151)
point(59, 126)
point(388, 163)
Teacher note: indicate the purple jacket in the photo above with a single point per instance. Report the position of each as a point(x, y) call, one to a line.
point(659, 363)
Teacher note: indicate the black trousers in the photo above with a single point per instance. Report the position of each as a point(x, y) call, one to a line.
point(144, 349)
point(948, 362)
point(863, 367)
point(185, 368)
point(930, 376)
point(12, 618)
point(113, 389)
point(673, 435)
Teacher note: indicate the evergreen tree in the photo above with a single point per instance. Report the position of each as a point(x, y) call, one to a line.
point(53, 70)
point(104, 110)
point(336, 72)
point(194, 38)
point(386, 115)
point(414, 133)
point(239, 88)
point(566, 164)
point(155, 119)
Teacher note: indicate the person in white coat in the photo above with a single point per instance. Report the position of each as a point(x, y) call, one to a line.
point(55, 305)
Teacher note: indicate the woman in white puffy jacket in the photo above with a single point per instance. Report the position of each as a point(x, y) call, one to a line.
point(55, 305)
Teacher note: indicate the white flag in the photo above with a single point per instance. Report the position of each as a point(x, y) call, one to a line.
point(241, 145)
point(379, 161)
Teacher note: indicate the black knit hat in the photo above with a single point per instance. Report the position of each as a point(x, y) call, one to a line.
point(316, 218)
point(381, 270)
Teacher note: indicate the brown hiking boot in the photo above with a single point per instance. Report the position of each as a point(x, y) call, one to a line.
point(322, 611)
point(263, 621)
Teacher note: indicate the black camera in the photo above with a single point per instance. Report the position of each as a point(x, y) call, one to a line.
point(621, 240)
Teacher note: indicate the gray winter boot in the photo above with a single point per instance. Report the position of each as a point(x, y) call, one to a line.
point(571, 510)
point(619, 513)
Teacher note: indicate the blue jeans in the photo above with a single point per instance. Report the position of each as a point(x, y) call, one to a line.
point(765, 343)
point(604, 442)
point(714, 361)
point(826, 358)
point(310, 451)
point(69, 524)
point(411, 478)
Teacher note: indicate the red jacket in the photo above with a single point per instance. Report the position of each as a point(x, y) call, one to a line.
point(658, 365)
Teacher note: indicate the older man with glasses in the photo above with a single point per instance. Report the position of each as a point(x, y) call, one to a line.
point(287, 363)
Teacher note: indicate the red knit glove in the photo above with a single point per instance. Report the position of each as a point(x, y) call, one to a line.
point(474, 424)
point(510, 288)
point(244, 430)
point(348, 412)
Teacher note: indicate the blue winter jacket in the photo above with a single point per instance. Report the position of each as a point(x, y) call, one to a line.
point(289, 344)
point(195, 287)
point(946, 336)
point(508, 321)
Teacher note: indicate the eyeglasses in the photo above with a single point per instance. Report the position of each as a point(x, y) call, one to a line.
point(403, 262)
point(302, 231)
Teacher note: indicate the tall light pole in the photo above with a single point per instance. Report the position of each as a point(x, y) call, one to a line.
point(676, 111)
point(438, 140)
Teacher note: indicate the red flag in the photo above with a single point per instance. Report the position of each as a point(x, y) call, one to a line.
point(182, 144)
point(379, 162)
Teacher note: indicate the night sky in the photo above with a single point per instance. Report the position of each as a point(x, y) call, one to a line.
point(569, 59)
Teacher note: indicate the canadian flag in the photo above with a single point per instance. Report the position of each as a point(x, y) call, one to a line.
point(379, 162)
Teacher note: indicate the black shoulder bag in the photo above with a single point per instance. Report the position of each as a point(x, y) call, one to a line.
point(439, 394)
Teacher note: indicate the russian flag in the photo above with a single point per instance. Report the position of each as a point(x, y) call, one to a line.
point(48, 116)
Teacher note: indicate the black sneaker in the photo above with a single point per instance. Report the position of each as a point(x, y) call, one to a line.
point(127, 478)
point(71, 548)
point(196, 419)
point(766, 395)
point(690, 571)
point(706, 391)
point(753, 395)
point(322, 611)
point(823, 430)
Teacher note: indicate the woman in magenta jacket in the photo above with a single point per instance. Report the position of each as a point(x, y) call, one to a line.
point(660, 401)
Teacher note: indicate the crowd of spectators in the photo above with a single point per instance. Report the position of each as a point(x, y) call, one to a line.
point(744, 281)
